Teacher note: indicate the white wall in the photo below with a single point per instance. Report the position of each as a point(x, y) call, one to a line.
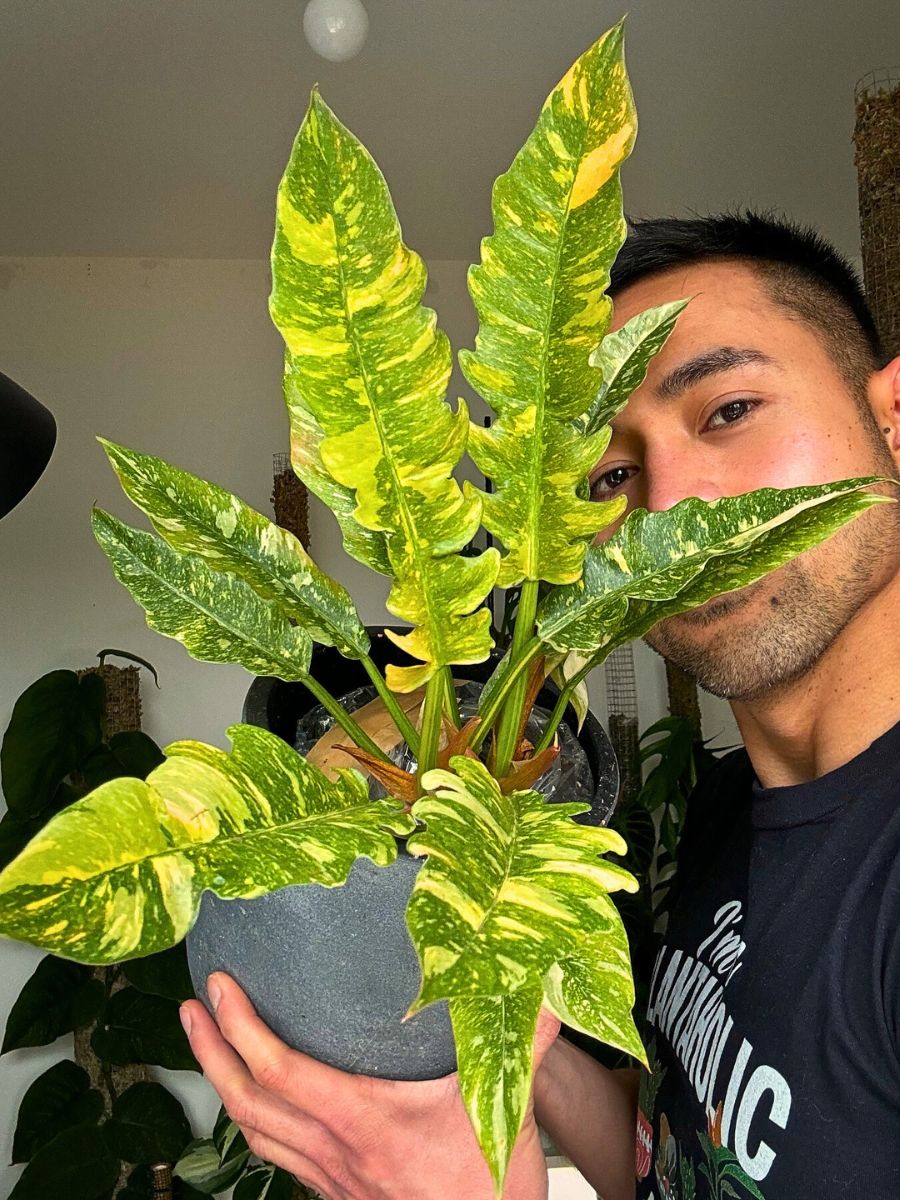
point(176, 358)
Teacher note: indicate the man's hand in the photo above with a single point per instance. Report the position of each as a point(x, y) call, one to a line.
point(351, 1137)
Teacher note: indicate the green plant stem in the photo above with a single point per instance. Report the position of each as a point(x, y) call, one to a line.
point(401, 720)
point(491, 710)
point(560, 707)
point(450, 693)
point(343, 718)
point(508, 727)
point(555, 717)
point(431, 722)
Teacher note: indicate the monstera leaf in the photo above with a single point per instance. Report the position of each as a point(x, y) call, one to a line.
point(368, 373)
point(200, 518)
point(217, 617)
point(662, 563)
point(539, 293)
point(120, 873)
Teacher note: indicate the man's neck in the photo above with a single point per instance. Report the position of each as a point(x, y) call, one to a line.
point(823, 720)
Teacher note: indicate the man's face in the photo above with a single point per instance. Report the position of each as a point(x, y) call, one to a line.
point(744, 395)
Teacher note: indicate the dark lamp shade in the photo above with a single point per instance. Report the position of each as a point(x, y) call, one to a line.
point(27, 438)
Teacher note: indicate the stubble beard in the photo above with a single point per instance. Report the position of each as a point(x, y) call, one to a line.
point(740, 654)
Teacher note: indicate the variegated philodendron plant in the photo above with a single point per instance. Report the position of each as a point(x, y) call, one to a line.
point(511, 908)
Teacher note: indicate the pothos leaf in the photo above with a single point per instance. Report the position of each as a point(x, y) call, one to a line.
point(369, 368)
point(197, 517)
point(662, 563)
point(120, 873)
point(540, 296)
point(218, 618)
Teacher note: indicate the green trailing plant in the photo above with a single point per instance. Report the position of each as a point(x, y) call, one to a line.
point(511, 908)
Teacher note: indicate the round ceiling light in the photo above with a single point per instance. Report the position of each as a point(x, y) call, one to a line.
point(336, 29)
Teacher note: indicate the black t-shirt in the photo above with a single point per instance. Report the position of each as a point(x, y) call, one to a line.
point(774, 1017)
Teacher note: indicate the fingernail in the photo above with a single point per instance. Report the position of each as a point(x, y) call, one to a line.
point(185, 1020)
point(214, 992)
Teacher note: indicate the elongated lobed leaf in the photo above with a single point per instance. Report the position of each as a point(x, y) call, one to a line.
point(663, 563)
point(494, 1038)
point(540, 296)
point(198, 517)
point(217, 617)
point(510, 883)
point(623, 358)
point(366, 545)
point(592, 989)
point(368, 373)
point(120, 873)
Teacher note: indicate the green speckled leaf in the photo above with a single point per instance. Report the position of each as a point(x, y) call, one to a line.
point(494, 1038)
point(217, 617)
point(119, 874)
point(663, 563)
point(623, 358)
point(540, 296)
point(198, 517)
point(368, 373)
point(509, 884)
point(592, 989)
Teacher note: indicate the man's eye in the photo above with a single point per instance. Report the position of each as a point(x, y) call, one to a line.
point(607, 483)
point(730, 413)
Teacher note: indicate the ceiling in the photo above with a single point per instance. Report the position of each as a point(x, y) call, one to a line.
point(159, 128)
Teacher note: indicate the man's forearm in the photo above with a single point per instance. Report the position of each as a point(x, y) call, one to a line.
point(590, 1113)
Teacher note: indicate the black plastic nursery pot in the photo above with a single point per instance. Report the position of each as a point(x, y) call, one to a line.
point(333, 970)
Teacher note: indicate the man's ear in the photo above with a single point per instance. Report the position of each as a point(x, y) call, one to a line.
point(884, 393)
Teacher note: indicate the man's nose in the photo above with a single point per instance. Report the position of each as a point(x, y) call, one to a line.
point(671, 475)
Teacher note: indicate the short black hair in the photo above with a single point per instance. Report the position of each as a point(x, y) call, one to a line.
point(801, 271)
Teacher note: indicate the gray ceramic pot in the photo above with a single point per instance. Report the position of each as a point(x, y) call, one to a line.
point(333, 970)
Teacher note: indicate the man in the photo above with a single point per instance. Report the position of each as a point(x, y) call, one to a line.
point(774, 1022)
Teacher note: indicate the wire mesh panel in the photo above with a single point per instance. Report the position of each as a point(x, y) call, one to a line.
point(622, 714)
point(877, 141)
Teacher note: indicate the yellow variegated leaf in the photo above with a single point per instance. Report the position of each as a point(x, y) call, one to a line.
point(662, 563)
point(368, 373)
point(494, 1038)
point(540, 295)
point(367, 545)
point(511, 883)
point(218, 618)
point(120, 873)
point(592, 989)
point(198, 517)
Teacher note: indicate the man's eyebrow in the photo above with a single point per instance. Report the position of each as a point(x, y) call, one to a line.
point(710, 362)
